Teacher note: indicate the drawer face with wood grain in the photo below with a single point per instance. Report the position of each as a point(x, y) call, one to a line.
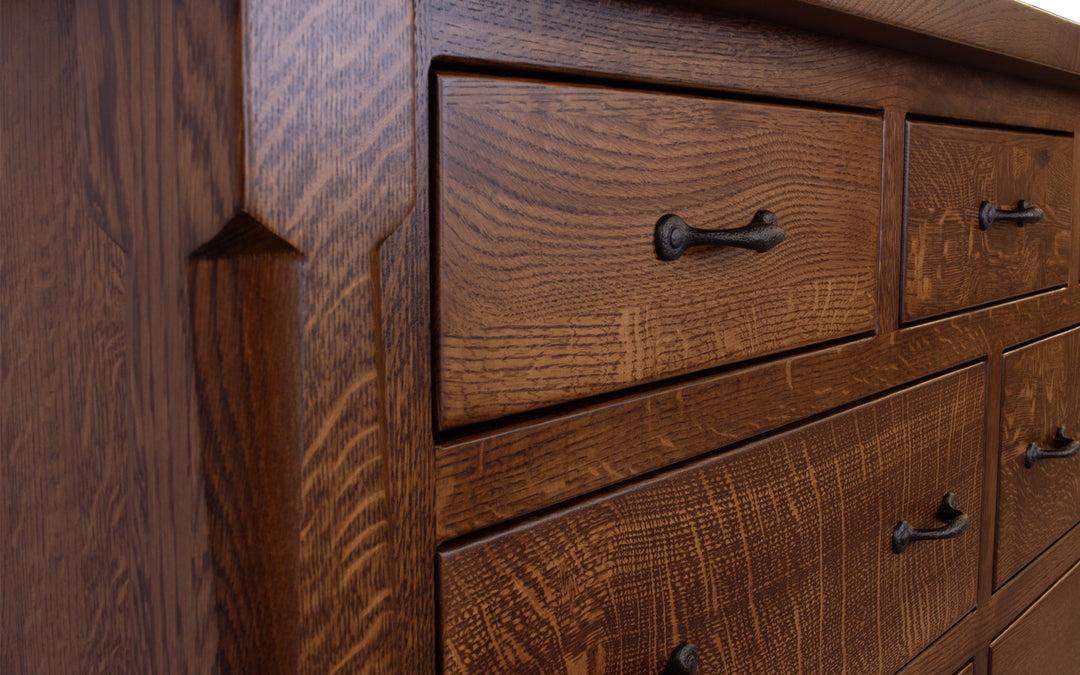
point(777, 555)
point(1043, 640)
point(548, 285)
point(951, 262)
point(1038, 497)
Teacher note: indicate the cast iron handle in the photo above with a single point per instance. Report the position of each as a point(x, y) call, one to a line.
point(674, 236)
point(956, 521)
point(1023, 214)
point(1064, 447)
point(683, 661)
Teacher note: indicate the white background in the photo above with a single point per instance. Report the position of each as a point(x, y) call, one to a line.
point(1070, 9)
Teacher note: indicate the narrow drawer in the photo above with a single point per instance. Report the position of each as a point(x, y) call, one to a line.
point(548, 284)
point(1043, 640)
point(951, 263)
point(774, 556)
point(1037, 503)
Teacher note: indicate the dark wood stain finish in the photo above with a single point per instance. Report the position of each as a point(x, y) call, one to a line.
point(247, 314)
point(1037, 505)
point(331, 159)
point(144, 530)
point(494, 476)
point(615, 584)
point(1041, 641)
point(950, 263)
point(121, 153)
point(549, 287)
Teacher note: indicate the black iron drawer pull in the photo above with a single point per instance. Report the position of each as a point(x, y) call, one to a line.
point(956, 522)
point(1063, 447)
point(674, 236)
point(683, 661)
point(1023, 214)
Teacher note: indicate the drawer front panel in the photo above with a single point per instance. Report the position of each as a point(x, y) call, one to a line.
point(548, 284)
point(1043, 640)
point(777, 555)
point(1037, 504)
point(950, 262)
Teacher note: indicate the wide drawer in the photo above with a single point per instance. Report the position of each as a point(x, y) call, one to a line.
point(951, 263)
point(775, 558)
point(548, 284)
point(1043, 640)
point(1038, 501)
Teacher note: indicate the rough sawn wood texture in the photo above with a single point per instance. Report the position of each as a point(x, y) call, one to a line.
point(777, 555)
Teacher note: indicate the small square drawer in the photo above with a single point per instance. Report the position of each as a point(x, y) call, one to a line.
point(1039, 471)
point(960, 180)
point(549, 284)
point(778, 554)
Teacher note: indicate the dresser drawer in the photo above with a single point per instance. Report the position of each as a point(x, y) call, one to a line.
point(951, 263)
point(778, 555)
point(1037, 503)
point(548, 284)
point(1043, 640)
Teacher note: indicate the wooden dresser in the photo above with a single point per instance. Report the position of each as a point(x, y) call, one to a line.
point(560, 337)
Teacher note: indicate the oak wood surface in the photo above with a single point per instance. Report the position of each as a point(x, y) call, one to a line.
point(123, 148)
point(246, 289)
point(330, 154)
point(702, 47)
point(1003, 26)
point(493, 476)
point(728, 552)
point(1037, 505)
point(120, 155)
point(1041, 641)
point(950, 263)
point(973, 634)
point(548, 284)
point(70, 590)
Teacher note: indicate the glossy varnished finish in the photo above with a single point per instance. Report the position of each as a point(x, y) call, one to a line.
point(1043, 639)
point(950, 262)
point(613, 585)
point(1037, 505)
point(548, 284)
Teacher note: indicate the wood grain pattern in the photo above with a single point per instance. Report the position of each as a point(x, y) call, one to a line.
point(890, 282)
point(120, 150)
point(1002, 26)
point(704, 48)
point(1040, 641)
point(331, 159)
point(498, 475)
point(972, 635)
point(405, 333)
point(950, 263)
point(548, 284)
point(247, 313)
point(70, 591)
point(727, 553)
point(1037, 505)
point(162, 135)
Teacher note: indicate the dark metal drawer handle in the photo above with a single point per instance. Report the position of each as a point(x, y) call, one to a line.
point(1023, 214)
point(1064, 447)
point(956, 522)
point(683, 661)
point(674, 236)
